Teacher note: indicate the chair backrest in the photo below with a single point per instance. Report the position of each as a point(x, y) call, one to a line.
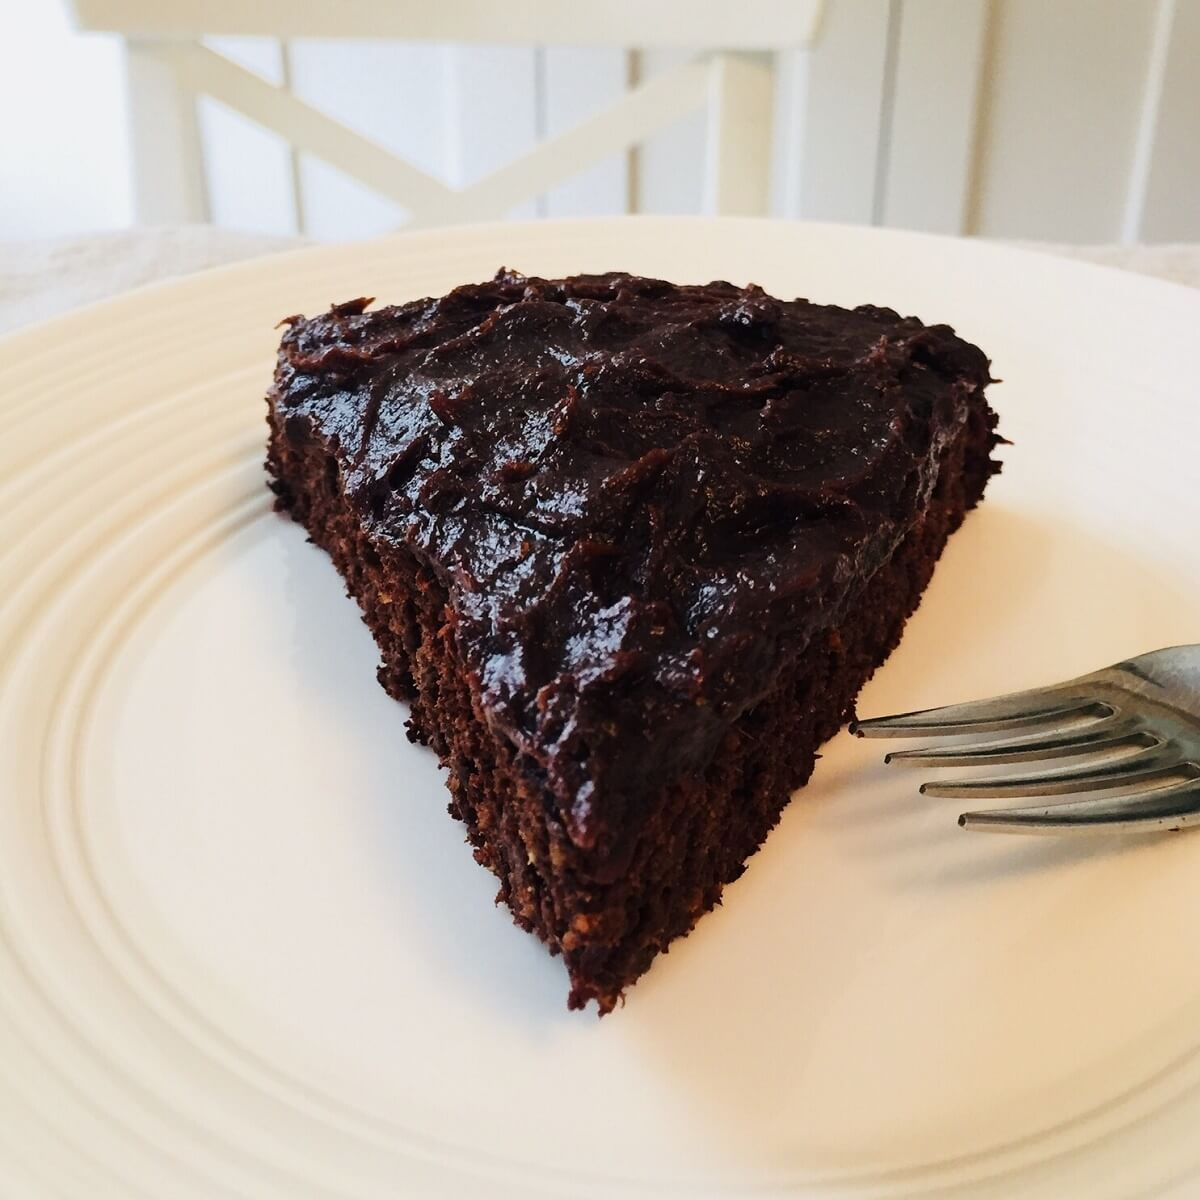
point(728, 74)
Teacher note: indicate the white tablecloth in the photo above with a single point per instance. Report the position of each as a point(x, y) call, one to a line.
point(40, 279)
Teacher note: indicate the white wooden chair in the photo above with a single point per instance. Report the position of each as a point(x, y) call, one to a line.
point(729, 76)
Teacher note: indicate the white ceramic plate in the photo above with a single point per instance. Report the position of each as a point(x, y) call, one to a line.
point(245, 952)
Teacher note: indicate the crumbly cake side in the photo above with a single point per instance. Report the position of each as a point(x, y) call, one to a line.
point(870, 432)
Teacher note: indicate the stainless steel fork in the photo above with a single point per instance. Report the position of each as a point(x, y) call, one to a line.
point(1135, 725)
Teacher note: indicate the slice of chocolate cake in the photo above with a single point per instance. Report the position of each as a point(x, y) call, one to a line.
point(629, 550)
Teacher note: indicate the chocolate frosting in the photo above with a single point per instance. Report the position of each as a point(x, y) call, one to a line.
point(644, 499)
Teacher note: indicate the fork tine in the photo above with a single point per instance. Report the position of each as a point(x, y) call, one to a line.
point(1166, 808)
point(985, 716)
point(1142, 767)
point(1108, 734)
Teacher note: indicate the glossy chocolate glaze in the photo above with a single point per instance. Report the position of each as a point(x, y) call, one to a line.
point(644, 499)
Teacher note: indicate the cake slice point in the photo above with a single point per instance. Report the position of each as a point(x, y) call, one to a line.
point(629, 551)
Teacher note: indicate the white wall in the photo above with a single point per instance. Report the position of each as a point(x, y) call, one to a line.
point(63, 145)
point(1073, 120)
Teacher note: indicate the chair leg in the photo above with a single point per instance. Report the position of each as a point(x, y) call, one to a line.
point(168, 162)
point(737, 175)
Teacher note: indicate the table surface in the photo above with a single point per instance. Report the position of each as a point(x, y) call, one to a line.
point(44, 278)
